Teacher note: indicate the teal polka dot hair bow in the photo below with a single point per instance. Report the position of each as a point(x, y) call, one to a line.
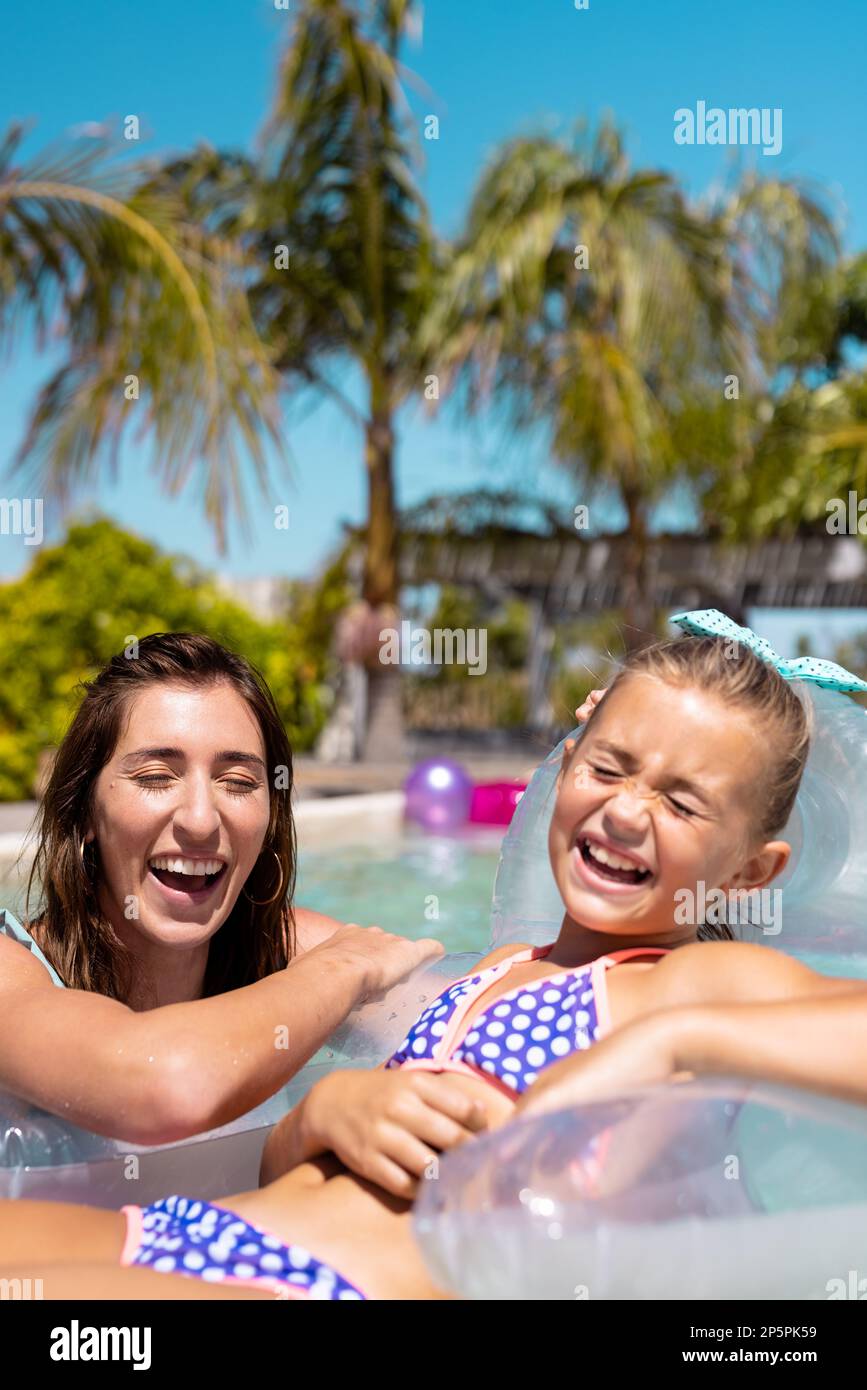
point(709, 622)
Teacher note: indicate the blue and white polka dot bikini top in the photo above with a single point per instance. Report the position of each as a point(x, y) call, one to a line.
point(520, 1032)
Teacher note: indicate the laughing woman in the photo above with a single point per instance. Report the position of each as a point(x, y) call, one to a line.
point(166, 865)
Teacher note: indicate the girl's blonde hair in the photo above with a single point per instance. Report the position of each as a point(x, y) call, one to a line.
point(741, 679)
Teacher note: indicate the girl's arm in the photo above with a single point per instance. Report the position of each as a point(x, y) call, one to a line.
point(727, 972)
point(818, 1043)
point(168, 1073)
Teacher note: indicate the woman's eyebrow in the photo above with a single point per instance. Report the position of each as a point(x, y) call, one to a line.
point(234, 755)
point(141, 753)
point(228, 755)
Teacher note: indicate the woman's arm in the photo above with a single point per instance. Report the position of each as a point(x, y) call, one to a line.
point(163, 1075)
point(312, 928)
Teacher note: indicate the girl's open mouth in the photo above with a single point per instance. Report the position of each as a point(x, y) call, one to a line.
point(192, 877)
point(603, 863)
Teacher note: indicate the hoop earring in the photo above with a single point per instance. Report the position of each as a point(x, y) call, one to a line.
point(82, 847)
point(266, 902)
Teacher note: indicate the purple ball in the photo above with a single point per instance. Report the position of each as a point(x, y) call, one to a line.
point(438, 794)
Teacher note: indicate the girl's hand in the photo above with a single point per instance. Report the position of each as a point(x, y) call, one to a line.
point(583, 712)
point(388, 1126)
point(643, 1053)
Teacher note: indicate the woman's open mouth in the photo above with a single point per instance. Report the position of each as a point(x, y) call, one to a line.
point(194, 878)
point(599, 864)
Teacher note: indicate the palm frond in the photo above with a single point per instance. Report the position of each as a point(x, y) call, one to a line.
point(139, 292)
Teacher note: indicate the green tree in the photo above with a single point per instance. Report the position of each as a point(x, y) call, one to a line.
point(341, 256)
point(598, 299)
point(803, 433)
point(154, 321)
point(592, 295)
point(82, 601)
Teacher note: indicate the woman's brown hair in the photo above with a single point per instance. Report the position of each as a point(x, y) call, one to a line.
point(256, 939)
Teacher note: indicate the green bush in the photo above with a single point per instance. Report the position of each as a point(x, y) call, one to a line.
point(79, 603)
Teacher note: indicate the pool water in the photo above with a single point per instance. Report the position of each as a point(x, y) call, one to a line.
point(416, 885)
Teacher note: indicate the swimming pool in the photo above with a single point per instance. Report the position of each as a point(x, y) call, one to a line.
point(411, 883)
point(404, 881)
point(373, 870)
point(416, 884)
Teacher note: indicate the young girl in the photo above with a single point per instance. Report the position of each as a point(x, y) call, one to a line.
point(684, 778)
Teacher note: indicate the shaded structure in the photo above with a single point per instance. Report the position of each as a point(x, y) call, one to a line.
point(572, 576)
point(504, 545)
point(563, 574)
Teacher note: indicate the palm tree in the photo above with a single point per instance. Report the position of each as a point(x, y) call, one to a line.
point(595, 297)
point(216, 279)
point(320, 248)
point(804, 439)
point(342, 262)
point(337, 187)
point(156, 327)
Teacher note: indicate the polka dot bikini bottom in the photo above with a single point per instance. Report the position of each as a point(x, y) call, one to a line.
point(179, 1235)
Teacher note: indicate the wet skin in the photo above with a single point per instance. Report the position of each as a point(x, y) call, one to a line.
point(174, 787)
point(649, 785)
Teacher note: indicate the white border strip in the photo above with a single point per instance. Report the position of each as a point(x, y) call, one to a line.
point(317, 820)
point(356, 818)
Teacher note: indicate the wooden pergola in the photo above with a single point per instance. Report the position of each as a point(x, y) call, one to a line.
point(571, 576)
point(565, 576)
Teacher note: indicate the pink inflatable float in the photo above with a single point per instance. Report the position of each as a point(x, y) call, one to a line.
point(441, 796)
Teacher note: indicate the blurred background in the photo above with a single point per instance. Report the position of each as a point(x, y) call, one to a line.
point(325, 317)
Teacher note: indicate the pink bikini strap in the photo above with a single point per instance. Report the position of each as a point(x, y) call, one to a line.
point(600, 968)
point(447, 1041)
point(134, 1228)
point(615, 957)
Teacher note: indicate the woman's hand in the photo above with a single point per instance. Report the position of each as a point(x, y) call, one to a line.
point(583, 712)
point(643, 1053)
point(387, 1126)
point(380, 957)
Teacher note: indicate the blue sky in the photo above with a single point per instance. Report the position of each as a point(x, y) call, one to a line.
point(193, 70)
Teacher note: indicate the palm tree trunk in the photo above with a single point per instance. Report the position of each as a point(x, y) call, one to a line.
point(384, 738)
point(639, 611)
point(380, 559)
